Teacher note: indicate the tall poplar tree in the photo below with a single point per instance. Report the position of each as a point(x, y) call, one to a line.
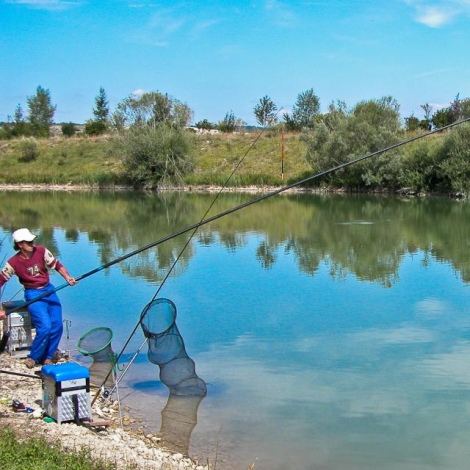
point(41, 111)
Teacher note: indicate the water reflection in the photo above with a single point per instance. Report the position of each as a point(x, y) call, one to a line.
point(177, 371)
point(364, 236)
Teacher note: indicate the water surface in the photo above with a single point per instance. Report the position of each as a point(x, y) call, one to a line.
point(331, 332)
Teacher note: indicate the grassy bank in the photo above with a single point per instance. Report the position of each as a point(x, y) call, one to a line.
point(92, 161)
point(37, 454)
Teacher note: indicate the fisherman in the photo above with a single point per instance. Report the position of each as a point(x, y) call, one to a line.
point(31, 264)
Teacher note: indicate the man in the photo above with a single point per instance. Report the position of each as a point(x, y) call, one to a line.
point(31, 265)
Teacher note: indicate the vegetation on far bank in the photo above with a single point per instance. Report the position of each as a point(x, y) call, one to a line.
point(146, 143)
point(94, 160)
point(438, 163)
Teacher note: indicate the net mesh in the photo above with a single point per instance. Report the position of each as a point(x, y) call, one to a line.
point(96, 344)
point(166, 349)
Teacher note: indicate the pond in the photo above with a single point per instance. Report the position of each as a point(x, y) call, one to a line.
point(330, 331)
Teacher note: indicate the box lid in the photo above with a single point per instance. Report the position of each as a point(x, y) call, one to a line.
point(65, 371)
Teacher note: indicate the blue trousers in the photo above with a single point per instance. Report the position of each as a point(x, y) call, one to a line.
point(46, 316)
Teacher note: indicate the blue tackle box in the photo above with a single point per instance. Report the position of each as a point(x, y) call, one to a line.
point(66, 392)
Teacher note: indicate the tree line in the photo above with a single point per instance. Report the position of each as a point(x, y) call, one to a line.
point(153, 142)
point(153, 107)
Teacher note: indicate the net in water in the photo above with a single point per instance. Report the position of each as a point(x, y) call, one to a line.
point(166, 349)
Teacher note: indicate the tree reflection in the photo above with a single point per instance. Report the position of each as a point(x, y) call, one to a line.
point(364, 236)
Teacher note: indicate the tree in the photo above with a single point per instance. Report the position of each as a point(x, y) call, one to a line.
point(41, 112)
point(425, 123)
point(99, 125)
point(228, 123)
point(19, 126)
point(465, 108)
point(265, 112)
point(460, 108)
point(153, 144)
point(305, 111)
point(101, 109)
point(453, 160)
point(442, 117)
point(457, 110)
point(19, 115)
point(151, 109)
point(412, 123)
point(205, 125)
point(427, 108)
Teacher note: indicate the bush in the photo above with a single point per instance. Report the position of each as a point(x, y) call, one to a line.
point(454, 158)
point(28, 149)
point(68, 129)
point(95, 128)
point(155, 155)
point(5, 133)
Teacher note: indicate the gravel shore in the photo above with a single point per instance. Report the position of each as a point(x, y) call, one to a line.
point(103, 435)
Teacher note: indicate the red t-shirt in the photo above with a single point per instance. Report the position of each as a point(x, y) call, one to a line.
point(33, 272)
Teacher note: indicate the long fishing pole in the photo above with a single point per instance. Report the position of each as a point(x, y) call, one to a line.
point(239, 207)
point(204, 221)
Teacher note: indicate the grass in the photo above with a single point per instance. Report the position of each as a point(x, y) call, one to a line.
point(38, 454)
point(256, 157)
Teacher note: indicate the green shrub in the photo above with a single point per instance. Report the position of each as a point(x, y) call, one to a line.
point(155, 155)
point(28, 149)
point(95, 128)
point(68, 129)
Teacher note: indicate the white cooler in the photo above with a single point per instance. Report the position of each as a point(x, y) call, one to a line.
point(66, 392)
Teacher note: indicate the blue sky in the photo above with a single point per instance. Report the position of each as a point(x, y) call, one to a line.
point(220, 55)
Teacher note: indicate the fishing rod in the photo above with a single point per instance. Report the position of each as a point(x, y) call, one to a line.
point(205, 221)
point(19, 374)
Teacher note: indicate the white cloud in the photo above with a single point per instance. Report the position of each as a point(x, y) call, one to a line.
point(440, 13)
point(138, 92)
point(434, 17)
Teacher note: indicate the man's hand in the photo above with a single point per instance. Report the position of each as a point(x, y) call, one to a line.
point(2, 315)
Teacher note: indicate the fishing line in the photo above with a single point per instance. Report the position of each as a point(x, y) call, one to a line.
point(242, 206)
point(3, 239)
point(196, 227)
point(204, 221)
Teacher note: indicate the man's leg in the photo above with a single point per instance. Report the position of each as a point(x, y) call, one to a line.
point(57, 327)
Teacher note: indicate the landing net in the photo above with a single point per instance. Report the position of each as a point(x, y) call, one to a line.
point(166, 349)
point(96, 344)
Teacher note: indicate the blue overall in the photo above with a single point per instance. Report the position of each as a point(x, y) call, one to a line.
point(46, 316)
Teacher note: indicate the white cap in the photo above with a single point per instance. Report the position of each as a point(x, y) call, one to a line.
point(23, 235)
